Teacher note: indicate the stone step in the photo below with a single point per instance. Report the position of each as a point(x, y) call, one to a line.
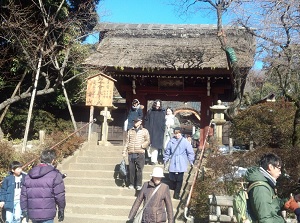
point(100, 210)
point(105, 174)
point(99, 199)
point(103, 160)
point(100, 181)
point(115, 206)
point(103, 152)
point(90, 218)
point(103, 166)
point(104, 190)
point(94, 191)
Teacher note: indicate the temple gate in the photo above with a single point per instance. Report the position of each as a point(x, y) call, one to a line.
point(171, 62)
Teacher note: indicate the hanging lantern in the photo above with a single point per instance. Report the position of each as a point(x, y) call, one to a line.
point(231, 53)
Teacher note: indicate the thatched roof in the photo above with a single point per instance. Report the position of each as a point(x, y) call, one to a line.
point(161, 46)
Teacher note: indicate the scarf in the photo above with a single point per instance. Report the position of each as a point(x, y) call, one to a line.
point(266, 174)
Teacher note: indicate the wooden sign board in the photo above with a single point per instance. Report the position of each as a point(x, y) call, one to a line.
point(100, 91)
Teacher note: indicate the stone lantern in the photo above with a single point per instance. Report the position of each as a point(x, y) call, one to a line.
point(218, 119)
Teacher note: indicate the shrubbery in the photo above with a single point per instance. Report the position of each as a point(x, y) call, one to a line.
point(218, 166)
point(267, 125)
point(270, 127)
point(63, 149)
point(14, 123)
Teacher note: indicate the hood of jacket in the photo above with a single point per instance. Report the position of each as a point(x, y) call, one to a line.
point(254, 174)
point(40, 170)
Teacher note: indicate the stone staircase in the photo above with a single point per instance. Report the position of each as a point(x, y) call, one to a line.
point(94, 193)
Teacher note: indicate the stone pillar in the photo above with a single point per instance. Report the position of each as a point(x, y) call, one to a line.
point(106, 115)
point(219, 120)
point(42, 136)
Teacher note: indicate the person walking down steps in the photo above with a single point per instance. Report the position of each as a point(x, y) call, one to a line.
point(137, 141)
point(179, 152)
point(155, 123)
point(157, 200)
point(136, 111)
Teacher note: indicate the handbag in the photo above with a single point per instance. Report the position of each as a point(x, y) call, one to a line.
point(138, 217)
point(125, 125)
point(123, 169)
point(167, 163)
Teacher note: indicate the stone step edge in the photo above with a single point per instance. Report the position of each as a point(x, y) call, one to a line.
point(125, 207)
point(90, 216)
point(100, 195)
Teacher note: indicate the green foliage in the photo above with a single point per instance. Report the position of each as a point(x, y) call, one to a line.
point(15, 122)
point(266, 124)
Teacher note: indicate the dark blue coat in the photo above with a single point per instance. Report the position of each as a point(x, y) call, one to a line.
point(7, 192)
point(43, 189)
point(133, 114)
point(155, 124)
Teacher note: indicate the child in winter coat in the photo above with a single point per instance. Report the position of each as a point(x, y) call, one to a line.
point(10, 193)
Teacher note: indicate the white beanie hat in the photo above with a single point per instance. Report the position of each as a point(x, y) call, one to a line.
point(157, 172)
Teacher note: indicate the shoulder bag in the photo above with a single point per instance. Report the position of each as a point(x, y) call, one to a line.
point(139, 215)
point(167, 164)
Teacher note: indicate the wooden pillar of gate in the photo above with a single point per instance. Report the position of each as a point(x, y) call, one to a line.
point(205, 118)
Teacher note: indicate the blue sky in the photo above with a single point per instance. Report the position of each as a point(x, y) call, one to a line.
point(146, 11)
point(151, 11)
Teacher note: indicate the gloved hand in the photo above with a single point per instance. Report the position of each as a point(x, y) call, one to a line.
point(61, 215)
point(64, 175)
point(288, 203)
point(293, 205)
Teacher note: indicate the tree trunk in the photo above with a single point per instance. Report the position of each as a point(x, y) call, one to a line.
point(31, 102)
point(13, 95)
point(296, 132)
point(69, 107)
point(61, 72)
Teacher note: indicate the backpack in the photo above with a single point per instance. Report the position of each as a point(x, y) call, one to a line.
point(240, 202)
point(123, 169)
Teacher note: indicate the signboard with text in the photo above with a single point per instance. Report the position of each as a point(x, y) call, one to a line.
point(99, 91)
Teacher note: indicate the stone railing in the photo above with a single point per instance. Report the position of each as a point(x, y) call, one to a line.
point(221, 210)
